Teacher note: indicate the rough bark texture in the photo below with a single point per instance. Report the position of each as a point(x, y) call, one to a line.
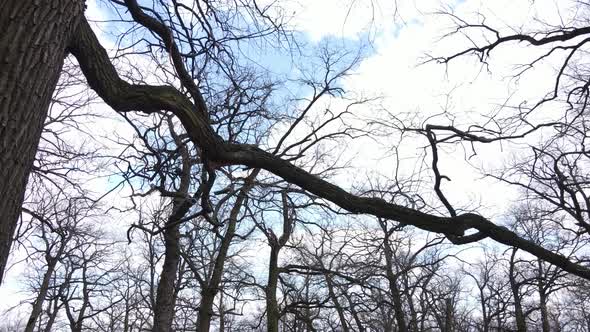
point(33, 45)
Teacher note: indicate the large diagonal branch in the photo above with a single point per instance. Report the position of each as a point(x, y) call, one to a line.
point(123, 97)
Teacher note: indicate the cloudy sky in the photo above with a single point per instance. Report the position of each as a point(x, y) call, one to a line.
point(400, 35)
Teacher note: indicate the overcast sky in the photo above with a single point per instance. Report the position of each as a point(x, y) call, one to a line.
point(400, 38)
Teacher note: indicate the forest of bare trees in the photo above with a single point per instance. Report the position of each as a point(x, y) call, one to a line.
point(159, 173)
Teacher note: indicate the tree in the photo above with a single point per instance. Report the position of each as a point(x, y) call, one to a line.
point(210, 143)
point(73, 34)
point(27, 88)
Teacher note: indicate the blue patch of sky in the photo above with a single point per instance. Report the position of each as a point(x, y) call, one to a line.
point(283, 59)
point(287, 60)
point(301, 59)
point(280, 58)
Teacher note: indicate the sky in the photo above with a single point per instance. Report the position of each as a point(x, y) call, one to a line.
point(401, 41)
point(398, 39)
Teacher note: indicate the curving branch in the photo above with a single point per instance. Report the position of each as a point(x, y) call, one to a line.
point(124, 97)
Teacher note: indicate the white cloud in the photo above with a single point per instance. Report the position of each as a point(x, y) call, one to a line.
point(465, 86)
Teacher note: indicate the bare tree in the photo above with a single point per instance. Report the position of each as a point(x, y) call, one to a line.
point(220, 158)
point(75, 35)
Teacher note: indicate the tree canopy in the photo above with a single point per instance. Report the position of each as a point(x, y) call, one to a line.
point(214, 155)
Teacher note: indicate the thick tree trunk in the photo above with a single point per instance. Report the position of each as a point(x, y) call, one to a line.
point(33, 44)
point(206, 309)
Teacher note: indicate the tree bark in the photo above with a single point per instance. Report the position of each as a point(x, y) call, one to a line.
point(221, 314)
point(52, 262)
point(544, 313)
point(397, 306)
point(53, 314)
point(32, 47)
point(413, 323)
point(33, 44)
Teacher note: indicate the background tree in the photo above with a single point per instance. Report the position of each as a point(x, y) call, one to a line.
point(222, 162)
